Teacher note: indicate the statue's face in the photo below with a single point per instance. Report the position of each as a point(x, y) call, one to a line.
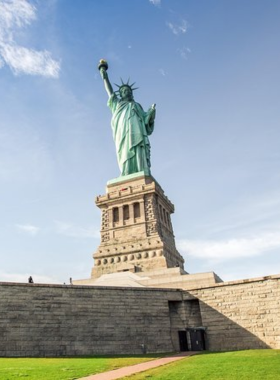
point(126, 93)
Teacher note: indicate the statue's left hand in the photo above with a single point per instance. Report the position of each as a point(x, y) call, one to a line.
point(153, 112)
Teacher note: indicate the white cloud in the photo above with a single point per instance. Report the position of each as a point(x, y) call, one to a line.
point(223, 250)
point(184, 52)
point(17, 14)
point(178, 28)
point(71, 230)
point(28, 61)
point(28, 229)
point(162, 72)
point(242, 271)
point(155, 2)
point(247, 214)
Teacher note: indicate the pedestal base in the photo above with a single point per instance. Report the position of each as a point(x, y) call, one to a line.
point(136, 230)
point(161, 278)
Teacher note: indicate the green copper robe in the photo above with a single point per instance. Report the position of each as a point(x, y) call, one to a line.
point(131, 126)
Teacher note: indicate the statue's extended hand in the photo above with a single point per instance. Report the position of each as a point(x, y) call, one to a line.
point(103, 72)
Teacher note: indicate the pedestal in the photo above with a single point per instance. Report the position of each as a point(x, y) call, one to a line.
point(136, 228)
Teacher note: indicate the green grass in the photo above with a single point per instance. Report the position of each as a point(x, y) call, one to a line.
point(64, 368)
point(237, 365)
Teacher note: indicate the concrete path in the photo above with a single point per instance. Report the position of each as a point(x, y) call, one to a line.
point(127, 371)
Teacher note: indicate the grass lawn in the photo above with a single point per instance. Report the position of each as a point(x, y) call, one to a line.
point(64, 368)
point(237, 365)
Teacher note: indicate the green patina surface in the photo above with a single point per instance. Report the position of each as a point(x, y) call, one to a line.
point(131, 126)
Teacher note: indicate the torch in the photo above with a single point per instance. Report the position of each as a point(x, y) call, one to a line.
point(103, 65)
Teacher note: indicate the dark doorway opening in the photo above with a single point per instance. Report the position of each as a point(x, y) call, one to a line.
point(197, 339)
point(183, 341)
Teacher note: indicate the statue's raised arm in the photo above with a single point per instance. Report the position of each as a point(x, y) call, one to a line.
point(103, 67)
point(131, 126)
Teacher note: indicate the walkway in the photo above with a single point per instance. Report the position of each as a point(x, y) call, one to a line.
point(127, 371)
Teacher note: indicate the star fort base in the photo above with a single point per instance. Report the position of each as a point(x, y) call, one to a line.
point(137, 241)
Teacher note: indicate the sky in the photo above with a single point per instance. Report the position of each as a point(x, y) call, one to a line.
point(211, 67)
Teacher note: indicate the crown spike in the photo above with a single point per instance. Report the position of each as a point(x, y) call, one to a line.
point(125, 85)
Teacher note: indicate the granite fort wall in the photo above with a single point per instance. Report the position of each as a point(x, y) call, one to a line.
point(241, 314)
point(54, 320)
point(61, 320)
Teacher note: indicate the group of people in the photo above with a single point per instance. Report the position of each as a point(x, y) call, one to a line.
point(30, 280)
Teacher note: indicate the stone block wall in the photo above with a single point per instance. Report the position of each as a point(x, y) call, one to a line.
point(62, 320)
point(241, 314)
point(57, 320)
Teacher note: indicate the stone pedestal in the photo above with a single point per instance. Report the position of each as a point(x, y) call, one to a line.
point(136, 228)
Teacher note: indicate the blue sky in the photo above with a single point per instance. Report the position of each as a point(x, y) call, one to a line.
point(212, 68)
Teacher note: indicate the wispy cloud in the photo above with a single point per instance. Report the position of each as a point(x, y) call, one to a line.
point(231, 273)
point(2, 63)
point(247, 215)
point(162, 72)
point(28, 229)
point(29, 61)
point(180, 28)
point(184, 52)
point(71, 230)
point(155, 2)
point(222, 250)
point(15, 14)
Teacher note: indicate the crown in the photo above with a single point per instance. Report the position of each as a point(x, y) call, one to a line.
point(126, 85)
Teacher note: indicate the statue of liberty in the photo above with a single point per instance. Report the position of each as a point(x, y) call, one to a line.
point(131, 126)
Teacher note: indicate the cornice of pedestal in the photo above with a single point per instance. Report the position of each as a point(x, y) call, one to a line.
point(128, 188)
